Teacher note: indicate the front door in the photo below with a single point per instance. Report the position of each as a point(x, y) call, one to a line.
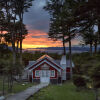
point(45, 76)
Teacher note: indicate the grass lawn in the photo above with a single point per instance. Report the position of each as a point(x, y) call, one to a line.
point(21, 86)
point(65, 92)
point(17, 87)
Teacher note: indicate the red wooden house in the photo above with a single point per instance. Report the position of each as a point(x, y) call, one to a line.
point(48, 70)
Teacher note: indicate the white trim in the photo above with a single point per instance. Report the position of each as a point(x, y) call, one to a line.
point(32, 76)
point(53, 73)
point(47, 63)
point(37, 75)
point(45, 76)
point(39, 61)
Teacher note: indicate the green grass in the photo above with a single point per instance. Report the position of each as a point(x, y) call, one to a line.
point(17, 87)
point(65, 92)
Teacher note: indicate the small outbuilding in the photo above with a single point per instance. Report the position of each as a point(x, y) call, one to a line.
point(47, 70)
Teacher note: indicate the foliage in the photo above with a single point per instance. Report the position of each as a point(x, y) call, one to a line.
point(79, 81)
point(61, 21)
point(95, 75)
point(17, 87)
point(12, 32)
point(87, 13)
point(89, 66)
point(84, 62)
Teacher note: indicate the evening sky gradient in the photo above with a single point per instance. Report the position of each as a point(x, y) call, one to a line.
point(37, 23)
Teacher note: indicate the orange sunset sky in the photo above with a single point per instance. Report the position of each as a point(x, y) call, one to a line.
point(37, 39)
point(37, 23)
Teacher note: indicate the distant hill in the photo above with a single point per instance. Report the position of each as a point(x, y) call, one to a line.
point(61, 48)
point(75, 49)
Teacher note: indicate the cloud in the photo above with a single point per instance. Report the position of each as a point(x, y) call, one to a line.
point(37, 22)
point(37, 38)
point(37, 17)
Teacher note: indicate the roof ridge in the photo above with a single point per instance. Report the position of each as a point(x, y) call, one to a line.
point(44, 57)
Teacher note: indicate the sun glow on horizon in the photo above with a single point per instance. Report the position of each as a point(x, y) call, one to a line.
point(39, 39)
point(26, 46)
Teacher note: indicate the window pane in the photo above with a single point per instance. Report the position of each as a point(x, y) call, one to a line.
point(37, 73)
point(52, 73)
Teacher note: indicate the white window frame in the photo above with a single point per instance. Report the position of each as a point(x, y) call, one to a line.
point(36, 73)
point(53, 73)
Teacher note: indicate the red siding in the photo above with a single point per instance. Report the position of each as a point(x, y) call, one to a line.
point(68, 70)
point(50, 68)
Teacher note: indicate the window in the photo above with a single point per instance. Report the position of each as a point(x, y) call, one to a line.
point(52, 73)
point(37, 73)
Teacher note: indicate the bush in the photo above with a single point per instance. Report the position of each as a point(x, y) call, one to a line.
point(95, 76)
point(79, 81)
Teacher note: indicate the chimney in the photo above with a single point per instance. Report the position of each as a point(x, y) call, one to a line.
point(63, 65)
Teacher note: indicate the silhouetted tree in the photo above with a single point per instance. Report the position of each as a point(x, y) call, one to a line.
point(61, 25)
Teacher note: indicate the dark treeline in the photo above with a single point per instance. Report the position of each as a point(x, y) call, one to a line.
point(12, 32)
point(70, 19)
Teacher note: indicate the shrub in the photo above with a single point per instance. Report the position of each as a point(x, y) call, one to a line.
point(95, 76)
point(79, 81)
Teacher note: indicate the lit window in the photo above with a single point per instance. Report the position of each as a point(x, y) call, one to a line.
point(37, 73)
point(52, 73)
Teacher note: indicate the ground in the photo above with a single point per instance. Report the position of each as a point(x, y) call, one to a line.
point(18, 87)
point(63, 92)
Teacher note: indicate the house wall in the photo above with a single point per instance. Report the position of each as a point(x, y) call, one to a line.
point(54, 81)
point(68, 73)
point(64, 72)
point(40, 68)
point(51, 66)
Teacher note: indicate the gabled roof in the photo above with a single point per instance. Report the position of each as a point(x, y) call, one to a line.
point(44, 57)
point(47, 62)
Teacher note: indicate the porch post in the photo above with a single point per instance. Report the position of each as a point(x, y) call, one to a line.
point(32, 76)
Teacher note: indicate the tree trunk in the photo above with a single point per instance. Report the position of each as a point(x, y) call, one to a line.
point(21, 32)
point(21, 51)
point(17, 48)
point(13, 45)
point(70, 58)
point(8, 83)
point(99, 28)
point(91, 48)
point(14, 53)
point(3, 87)
point(96, 94)
point(95, 46)
point(11, 82)
point(12, 32)
point(64, 48)
point(21, 38)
